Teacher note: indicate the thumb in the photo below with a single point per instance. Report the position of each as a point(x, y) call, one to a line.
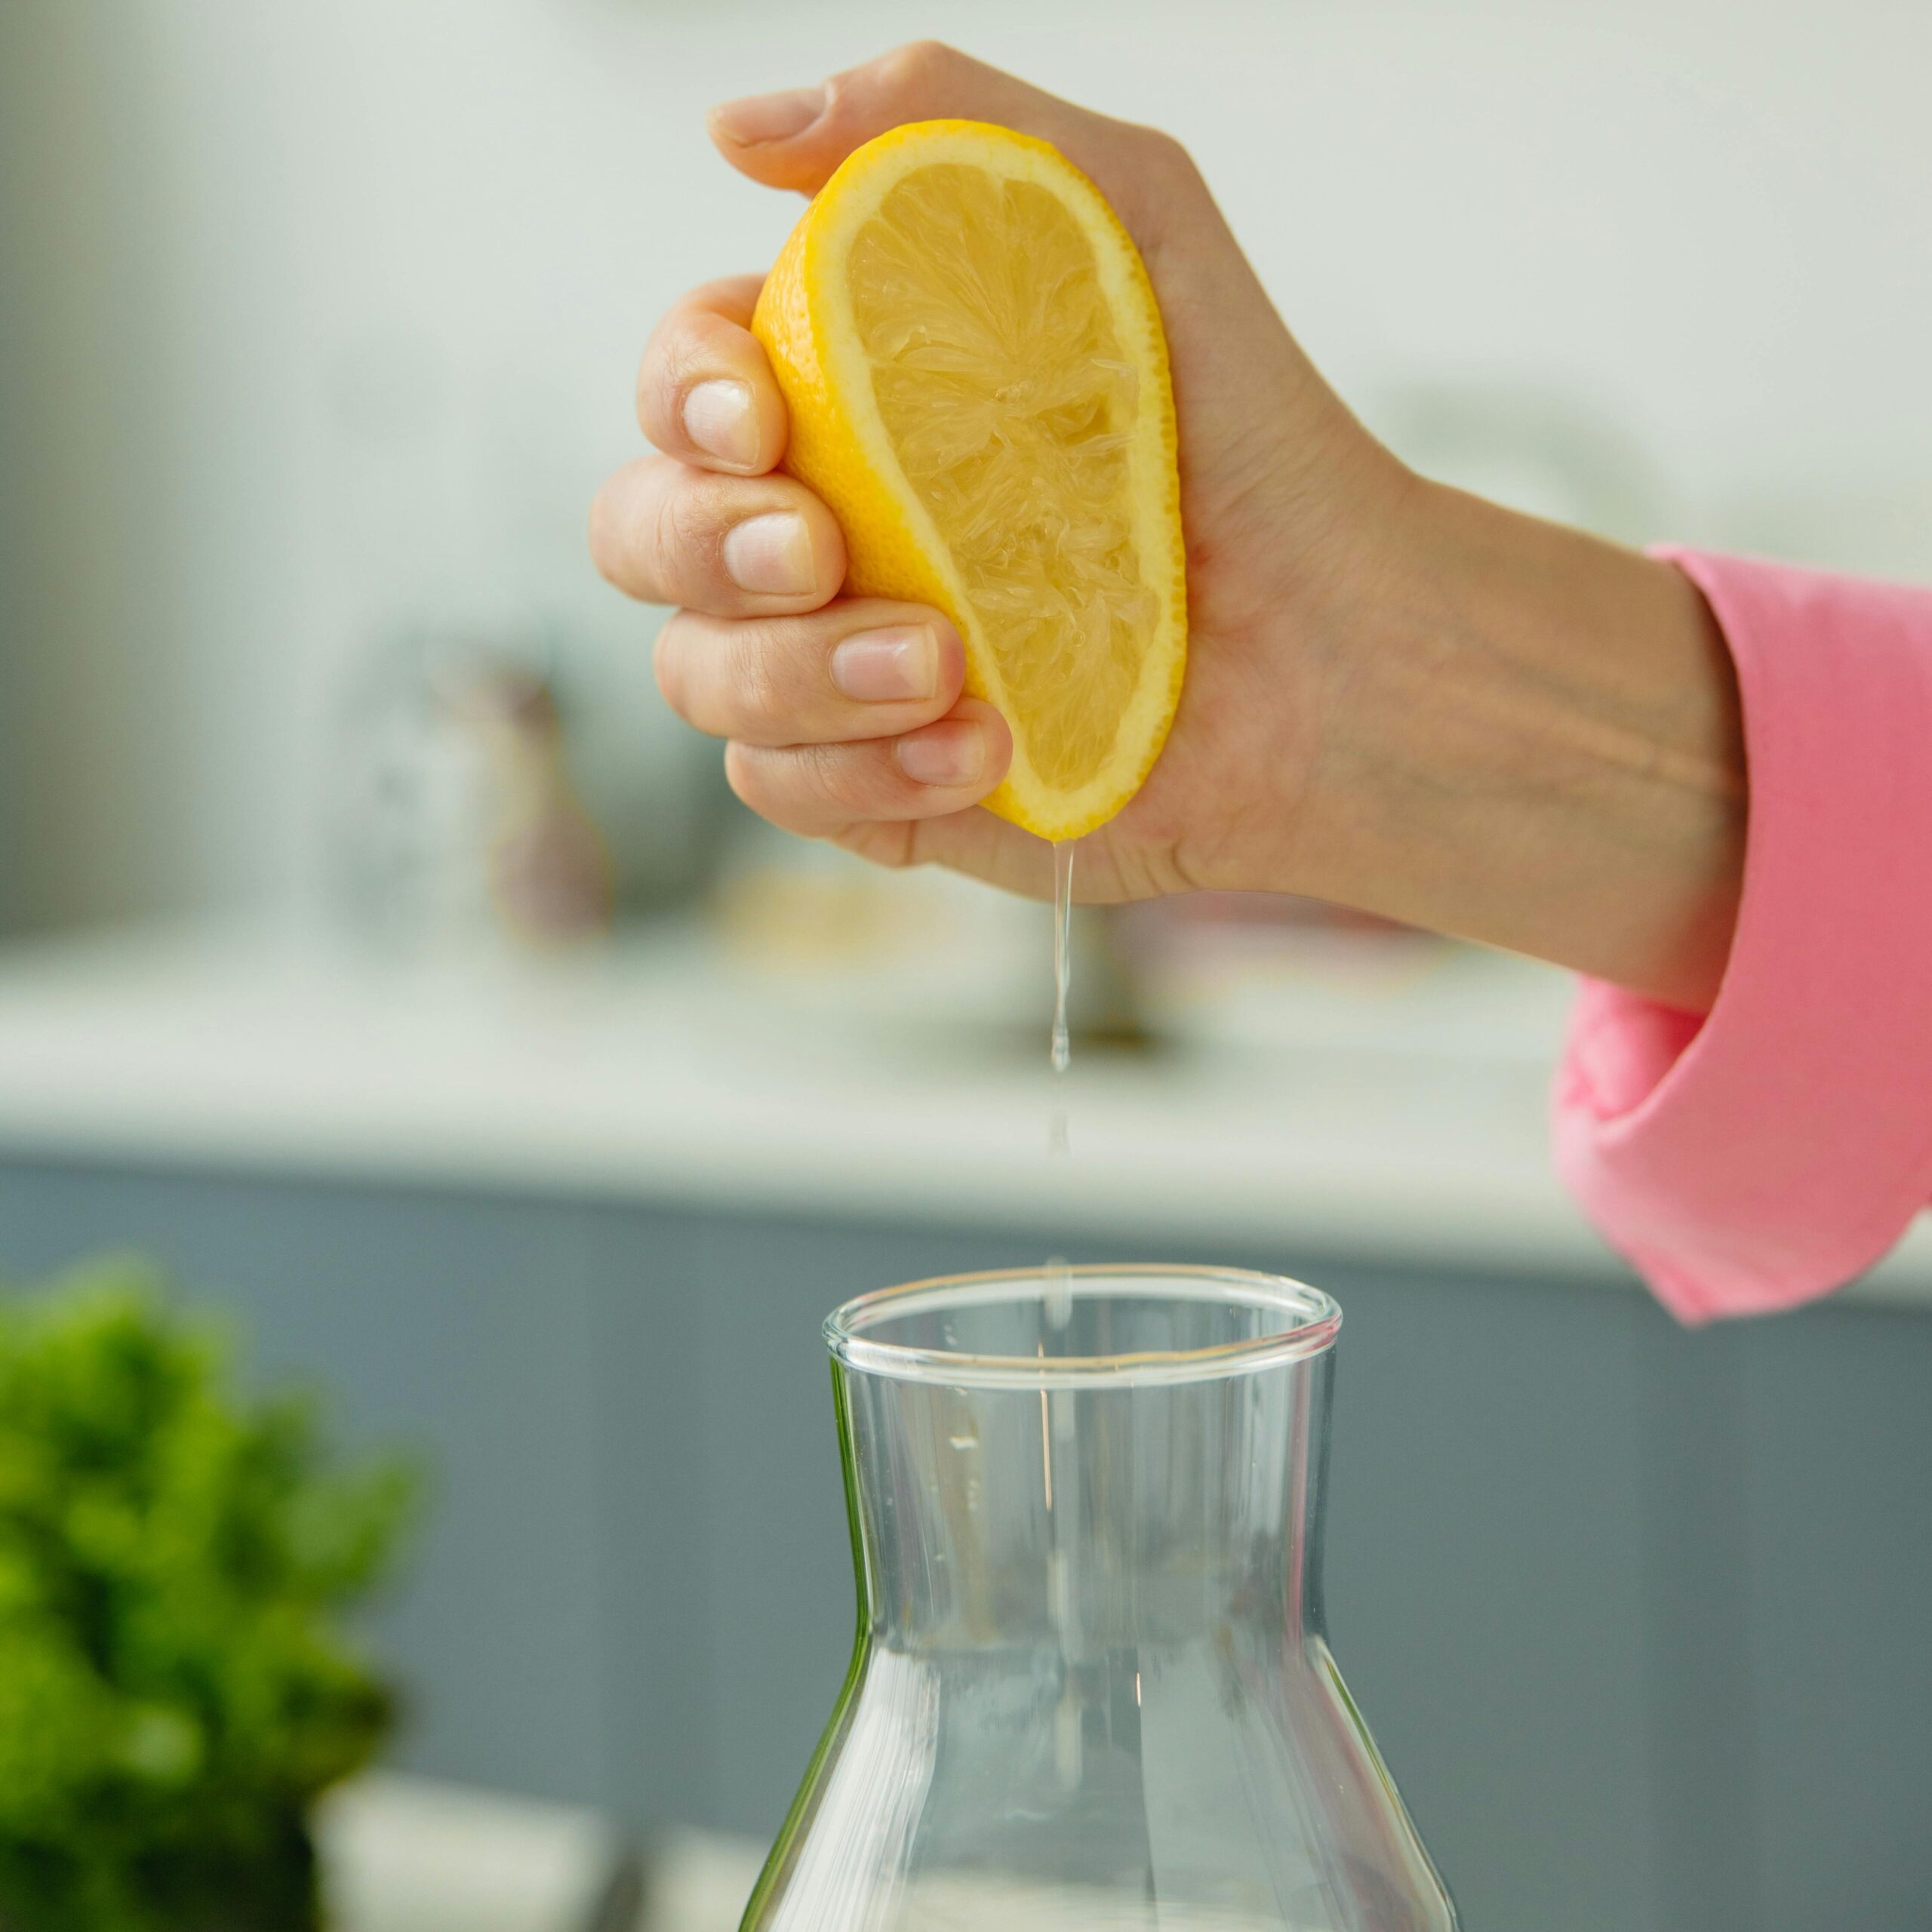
point(796, 138)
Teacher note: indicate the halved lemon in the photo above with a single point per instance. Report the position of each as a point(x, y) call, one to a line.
point(973, 361)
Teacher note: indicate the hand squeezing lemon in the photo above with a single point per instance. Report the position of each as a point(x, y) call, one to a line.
point(916, 499)
point(972, 360)
point(922, 489)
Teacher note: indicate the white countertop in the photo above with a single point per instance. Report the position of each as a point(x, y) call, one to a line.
point(1405, 1125)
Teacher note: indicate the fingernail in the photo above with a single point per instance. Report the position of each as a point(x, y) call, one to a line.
point(771, 554)
point(877, 666)
point(719, 419)
point(769, 117)
point(950, 754)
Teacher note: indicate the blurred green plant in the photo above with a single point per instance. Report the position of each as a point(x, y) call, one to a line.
point(175, 1685)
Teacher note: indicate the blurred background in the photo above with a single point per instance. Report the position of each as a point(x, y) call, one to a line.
point(382, 958)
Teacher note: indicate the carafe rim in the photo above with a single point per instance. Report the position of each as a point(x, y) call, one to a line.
point(1315, 1320)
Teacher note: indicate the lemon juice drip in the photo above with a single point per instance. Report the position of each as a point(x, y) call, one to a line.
point(1057, 1413)
point(1058, 1282)
point(1063, 949)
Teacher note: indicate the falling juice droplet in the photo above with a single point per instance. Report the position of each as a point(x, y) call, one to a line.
point(1068, 1747)
point(1063, 949)
point(1057, 1442)
point(1059, 1295)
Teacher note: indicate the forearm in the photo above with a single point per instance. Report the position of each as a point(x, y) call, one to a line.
point(1539, 747)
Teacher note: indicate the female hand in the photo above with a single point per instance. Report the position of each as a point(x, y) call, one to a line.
point(1398, 697)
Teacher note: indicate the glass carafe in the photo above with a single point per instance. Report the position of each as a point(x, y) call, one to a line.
point(1092, 1691)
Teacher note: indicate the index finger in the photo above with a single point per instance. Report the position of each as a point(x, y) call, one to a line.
point(797, 138)
point(705, 392)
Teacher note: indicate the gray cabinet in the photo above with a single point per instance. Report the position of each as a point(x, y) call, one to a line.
point(1637, 1616)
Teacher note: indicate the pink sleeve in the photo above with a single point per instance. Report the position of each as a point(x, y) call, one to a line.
point(1769, 1153)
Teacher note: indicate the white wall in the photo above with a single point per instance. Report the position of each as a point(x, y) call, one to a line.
point(374, 273)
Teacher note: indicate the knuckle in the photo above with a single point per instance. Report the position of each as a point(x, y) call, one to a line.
point(760, 689)
point(813, 788)
point(665, 539)
point(658, 380)
point(684, 538)
point(917, 67)
point(1165, 157)
point(661, 371)
point(826, 770)
point(842, 775)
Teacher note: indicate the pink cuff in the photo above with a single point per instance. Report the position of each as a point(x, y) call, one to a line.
point(1768, 1154)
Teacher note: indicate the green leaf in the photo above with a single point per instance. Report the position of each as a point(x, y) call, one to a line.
point(176, 1684)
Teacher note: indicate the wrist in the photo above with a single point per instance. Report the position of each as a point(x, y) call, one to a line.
point(1529, 737)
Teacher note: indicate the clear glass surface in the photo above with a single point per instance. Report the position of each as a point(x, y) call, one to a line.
point(1091, 1688)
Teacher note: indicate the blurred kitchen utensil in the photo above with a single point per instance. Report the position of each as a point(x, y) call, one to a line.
point(456, 814)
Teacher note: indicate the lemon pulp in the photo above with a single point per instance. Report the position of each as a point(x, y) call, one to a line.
point(1005, 394)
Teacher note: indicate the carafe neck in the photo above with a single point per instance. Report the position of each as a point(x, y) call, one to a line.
point(1088, 1519)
